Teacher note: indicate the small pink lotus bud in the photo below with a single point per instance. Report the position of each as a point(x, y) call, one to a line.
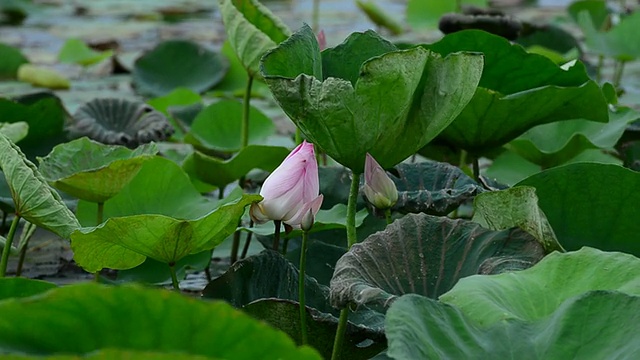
point(307, 221)
point(292, 189)
point(378, 187)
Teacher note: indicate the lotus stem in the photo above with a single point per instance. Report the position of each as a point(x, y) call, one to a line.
point(285, 246)
point(100, 215)
point(298, 138)
point(315, 16)
point(387, 216)
point(476, 169)
point(235, 246)
point(247, 242)
point(303, 265)
point(617, 75)
point(351, 239)
point(23, 249)
point(7, 246)
point(276, 235)
point(245, 113)
point(174, 277)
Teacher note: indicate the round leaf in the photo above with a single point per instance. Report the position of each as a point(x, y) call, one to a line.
point(92, 171)
point(178, 63)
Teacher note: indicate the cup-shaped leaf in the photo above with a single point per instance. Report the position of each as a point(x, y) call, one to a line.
point(33, 198)
point(383, 101)
point(137, 319)
point(93, 171)
point(426, 255)
point(178, 63)
point(125, 242)
point(119, 122)
point(518, 90)
point(252, 30)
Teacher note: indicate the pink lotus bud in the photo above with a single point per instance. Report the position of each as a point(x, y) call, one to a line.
point(378, 187)
point(307, 221)
point(292, 190)
point(322, 40)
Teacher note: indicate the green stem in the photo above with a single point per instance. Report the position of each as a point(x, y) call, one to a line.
point(23, 255)
point(174, 277)
point(245, 113)
point(617, 75)
point(285, 245)
point(387, 216)
point(100, 215)
point(247, 242)
point(235, 246)
point(7, 246)
point(351, 239)
point(476, 169)
point(303, 265)
point(276, 235)
point(463, 159)
point(315, 16)
point(298, 138)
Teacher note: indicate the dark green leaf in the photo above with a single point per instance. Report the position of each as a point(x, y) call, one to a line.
point(10, 60)
point(20, 287)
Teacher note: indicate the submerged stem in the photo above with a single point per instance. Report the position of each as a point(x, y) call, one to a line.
point(7, 246)
point(276, 235)
point(303, 265)
point(174, 277)
point(244, 136)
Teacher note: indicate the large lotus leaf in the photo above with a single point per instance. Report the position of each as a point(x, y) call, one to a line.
point(77, 52)
point(597, 325)
point(252, 30)
point(266, 286)
point(553, 144)
point(15, 131)
point(517, 91)
point(119, 122)
point(591, 204)
point(616, 42)
point(515, 207)
point(137, 319)
point(178, 63)
point(219, 127)
point(220, 172)
point(93, 171)
point(555, 279)
point(125, 242)
point(19, 287)
point(161, 187)
point(45, 115)
point(426, 255)
point(33, 198)
point(405, 94)
point(432, 187)
point(10, 60)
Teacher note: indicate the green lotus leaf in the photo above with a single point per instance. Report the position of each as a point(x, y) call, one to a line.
point(553, 144)
point(517, 91)
point(252, 29)
point(15, 131)
point(389, 95)
point(119, 122)
point(426, 255)
point(125, 242)
point(77, 52)
point(178, 63)
point(42, 77)
point(597, 10)
point(220, 172)
point(614, 43)
point(432, 187)
point(219, 127)
point(133, 318)
point(33, 198)
point(93, 171)
point(45, 115)
point(6, 202)
point(266, 286)
point(515, 207)
point(591, 204)
point(11, 59)
point(594, 325)
point(19, 287)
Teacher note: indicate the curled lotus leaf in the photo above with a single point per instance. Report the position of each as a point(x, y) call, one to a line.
point(119, 122)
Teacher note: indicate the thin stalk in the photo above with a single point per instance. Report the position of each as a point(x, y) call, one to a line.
point(285, 245)
point(599, 68)
point(617, 75)
point(303, 265)
point(221, 192)
point(298, 137)
point(100, 215)
point(387, 216)
point(247, 242)
point(463, 159)
point(351, 239)
point(174, 277)
point(476, 169)
point(276, 235)
point(244, 136)
point(315, 16)
point(7, 246)
point(23, 255)
point(235, 246)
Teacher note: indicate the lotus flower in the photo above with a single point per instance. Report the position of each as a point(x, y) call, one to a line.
point(292, 190)
point(378, 187)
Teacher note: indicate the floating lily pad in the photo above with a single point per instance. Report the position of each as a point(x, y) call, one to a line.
point(426, 255)
point(125, 242)
point(178, 63)
point(378, 96)
point(432, 187)
point(137, 319)
point(517, 91)
point(92, 171)
point(590, 204)
point(42, 77)
point(15, 131)
point(33, 198)
point(252, 29)
point(10, 60)
point(266, 286)
point(119, 122)
point(77, 52)
point(219, 127)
